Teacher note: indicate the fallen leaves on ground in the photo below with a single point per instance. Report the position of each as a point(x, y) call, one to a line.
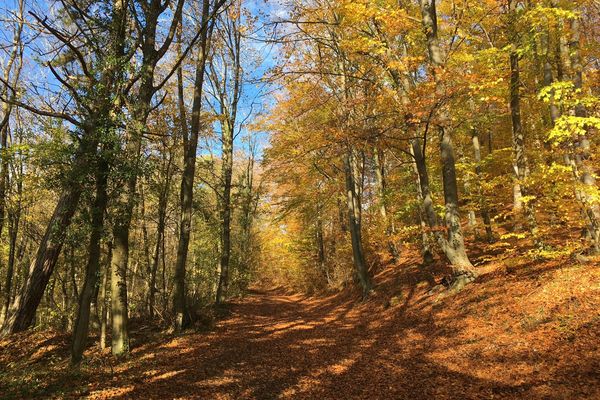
point(527, 333)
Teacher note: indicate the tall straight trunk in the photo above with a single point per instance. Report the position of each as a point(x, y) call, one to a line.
point(226, 174)
point(126, 200)
point(13, 230)
point(582, 168)
point(182, 319)
point(353, 194)
point(519, 160)
point(520, 164)
point(145, 239)
point(16, 55)
point(427, 214)
point(228, 87)
point(104, 297)
point(549, 79)
point(455, 242)
point(160, 237)
point(320, 238)
point(118, 288)
point(14, 220)
point(23, 310)
point(80, 333)
point(483, 204)
point(248, 209)
point(379, 161)
point(454, 247)
point(380, 180)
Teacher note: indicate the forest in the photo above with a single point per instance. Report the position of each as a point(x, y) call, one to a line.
point(299, 199)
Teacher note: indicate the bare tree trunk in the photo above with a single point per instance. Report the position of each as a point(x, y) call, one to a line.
point(145, 240)
point(226, 174)
point(321, 254)
point(227, 87)
point(13, 230)
point(104, 297)
point(582, 169)
point(80, 332)
point(454, 247)
point(16, 55)
point(160, 237)
point(520, 166)
point(380, 178)
point(483, 205)
point(424, 197)
point(118, 289)
point(353, 191)
point(180, 312)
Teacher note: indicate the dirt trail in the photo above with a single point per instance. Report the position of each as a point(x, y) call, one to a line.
point(276, 346)
point(530, 334)
point(279, 346)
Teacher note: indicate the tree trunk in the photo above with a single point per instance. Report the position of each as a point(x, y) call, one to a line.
point(582, 146)
point(16, 55)
point(483, 205)
point(454, 247)
point(104, 298)
point(145, 243)
point(26, 303)
point(180, 312)
point(80, 332)
point(380, 179)
point(118, 289)
point(226, 174)
point(321, 255)
point(353, 191)
point(160, 234)
point(422, 181)
point(520, 166)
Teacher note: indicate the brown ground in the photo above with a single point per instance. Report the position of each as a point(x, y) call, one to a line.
point(524, 331)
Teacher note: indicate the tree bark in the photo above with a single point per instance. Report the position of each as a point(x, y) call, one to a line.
point(426, 212)
point(582, 169)
point(353, 194)
point(226, 174)
point(483, 205)
point(160, 236)
point(380, 179)
point(104, 297)
point(16, 55)
point(454, 247)
point(181, 316)
point(520, 164)
point(80, 333)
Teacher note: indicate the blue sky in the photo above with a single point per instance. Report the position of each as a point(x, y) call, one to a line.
point(257, 94)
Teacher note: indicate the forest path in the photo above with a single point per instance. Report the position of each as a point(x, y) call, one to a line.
point(502, 338)
point(275, 346)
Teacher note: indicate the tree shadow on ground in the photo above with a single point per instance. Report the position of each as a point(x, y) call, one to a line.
point(279, 346)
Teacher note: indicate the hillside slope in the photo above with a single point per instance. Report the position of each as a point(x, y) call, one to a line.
point(525, 331)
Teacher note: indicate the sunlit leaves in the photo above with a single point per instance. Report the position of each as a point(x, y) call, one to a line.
point(569, 127)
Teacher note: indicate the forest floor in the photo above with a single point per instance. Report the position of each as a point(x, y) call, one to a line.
point(523, 330)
